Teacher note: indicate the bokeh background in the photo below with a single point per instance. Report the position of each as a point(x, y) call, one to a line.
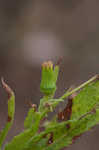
point(37, 30)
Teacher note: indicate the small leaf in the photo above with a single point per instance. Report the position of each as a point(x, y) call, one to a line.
point(31, 118)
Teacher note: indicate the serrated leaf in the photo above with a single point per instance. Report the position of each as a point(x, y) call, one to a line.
point(84, 102)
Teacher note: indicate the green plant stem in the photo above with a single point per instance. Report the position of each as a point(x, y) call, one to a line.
point(79, 87)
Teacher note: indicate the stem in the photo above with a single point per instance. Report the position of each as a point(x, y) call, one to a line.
point(79, 87)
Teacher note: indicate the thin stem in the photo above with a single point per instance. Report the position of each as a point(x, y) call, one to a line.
point(79, 87)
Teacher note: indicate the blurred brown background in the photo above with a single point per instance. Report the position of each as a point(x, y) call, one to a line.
point(37, 30)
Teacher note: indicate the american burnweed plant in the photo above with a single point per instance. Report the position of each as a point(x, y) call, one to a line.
point(80, 114)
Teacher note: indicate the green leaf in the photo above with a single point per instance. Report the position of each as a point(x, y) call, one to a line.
point(85, 107)
point(31, 118)
point(19, 141)
point(39, 144)
point(37, 138)
point(11, 111)
point(86, 100)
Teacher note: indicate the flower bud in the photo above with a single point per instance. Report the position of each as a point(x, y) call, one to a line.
point(49, 78)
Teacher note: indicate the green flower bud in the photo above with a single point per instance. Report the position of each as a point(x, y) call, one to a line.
point(49, 78)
